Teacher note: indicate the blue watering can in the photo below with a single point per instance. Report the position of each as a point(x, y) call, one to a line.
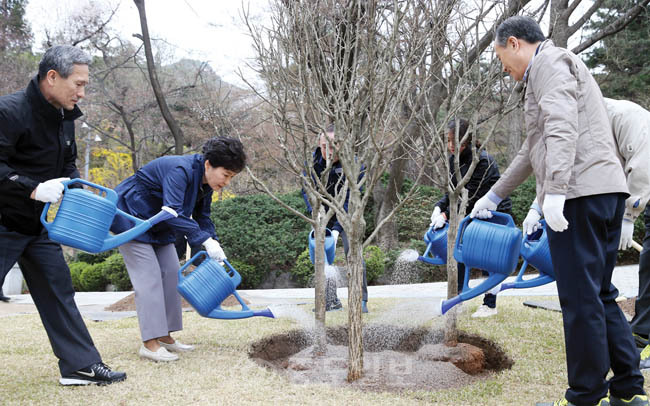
point(84, 219)
point(330, 246)
point(536, 252)
point(489, 244)
point(436, 252)
point(209, 285)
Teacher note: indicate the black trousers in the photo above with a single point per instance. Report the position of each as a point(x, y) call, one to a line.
point(641, 321)
point(48, 278)
point(596, 333)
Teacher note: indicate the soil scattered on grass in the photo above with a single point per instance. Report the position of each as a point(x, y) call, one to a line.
point(128, 303)
point(395, 358)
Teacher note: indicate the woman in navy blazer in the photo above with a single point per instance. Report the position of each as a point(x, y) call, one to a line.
point(183, 184)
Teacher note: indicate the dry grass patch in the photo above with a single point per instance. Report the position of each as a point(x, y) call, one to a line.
point(220, 371)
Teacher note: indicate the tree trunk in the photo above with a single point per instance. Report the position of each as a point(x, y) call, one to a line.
point(355, 282)
point(387, 236)
point(320, 333)
point(451, 329)
point(559, 30)
point(155, 84)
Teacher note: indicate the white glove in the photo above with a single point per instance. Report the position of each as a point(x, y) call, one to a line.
point(49, 191)
point(531, 222)
point(483, 207)
point(438, 219)
point(627, 229)
point(214, 249)
point(553, 212)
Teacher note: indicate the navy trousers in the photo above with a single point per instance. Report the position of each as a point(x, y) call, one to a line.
point(596, 333)
point(641, 321)
point(48, 278)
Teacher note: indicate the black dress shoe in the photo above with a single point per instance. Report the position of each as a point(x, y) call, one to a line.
point(4, 298)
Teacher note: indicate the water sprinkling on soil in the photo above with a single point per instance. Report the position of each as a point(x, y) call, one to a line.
point(304, 319)
point(408, 255)
point(405, 269)
point(412, 313)
point(331, 272)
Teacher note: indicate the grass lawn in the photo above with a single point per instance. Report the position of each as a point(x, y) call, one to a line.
point(220, 372)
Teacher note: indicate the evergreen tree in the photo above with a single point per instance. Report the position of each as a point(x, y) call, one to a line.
point(15, 33)
point(621, 61)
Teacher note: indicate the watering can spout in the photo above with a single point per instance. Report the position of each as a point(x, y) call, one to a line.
point(209, 285)
point(492, 245)
point(140, 227)
point(264, 313)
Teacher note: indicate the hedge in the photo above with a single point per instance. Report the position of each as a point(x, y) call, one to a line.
point(255, 230)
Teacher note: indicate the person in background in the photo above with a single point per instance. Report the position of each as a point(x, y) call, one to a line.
point(182, 185)
point(485, 174)
point(37, 152)
point(581, 188)
point(631, 127)
point(335, 180)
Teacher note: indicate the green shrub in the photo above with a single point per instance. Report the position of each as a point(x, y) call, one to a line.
point(92, 278)
point(116, 274)
point(522, 197)
point(415, 215)
point(303, 271)
point(375, 262)
point(93, 258)
point(258, 231)
point(250, 277)
point(76, 268)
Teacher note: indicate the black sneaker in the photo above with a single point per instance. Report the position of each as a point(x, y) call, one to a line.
point(636, 400)
point(96, 374)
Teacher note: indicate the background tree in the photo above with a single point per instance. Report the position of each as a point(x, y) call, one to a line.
point(176, 130)
point(17, 63)
point(621, 60)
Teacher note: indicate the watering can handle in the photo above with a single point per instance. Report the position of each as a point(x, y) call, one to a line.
point(504, 216)
point(458, 249)
point(110, 195)
point(188, 263)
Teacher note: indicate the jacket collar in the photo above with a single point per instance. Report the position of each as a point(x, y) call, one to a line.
point(540, 47)
point(42, 106)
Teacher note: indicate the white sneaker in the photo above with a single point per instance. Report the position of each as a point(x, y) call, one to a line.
point(177, 346)
point(161, 355)
point(484, 311)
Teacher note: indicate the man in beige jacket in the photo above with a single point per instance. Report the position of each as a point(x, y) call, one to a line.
point(631, 126)
point(581, 187)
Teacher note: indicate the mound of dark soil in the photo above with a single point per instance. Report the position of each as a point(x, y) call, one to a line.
point(395, 358)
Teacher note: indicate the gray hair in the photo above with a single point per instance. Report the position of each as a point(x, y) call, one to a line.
point(62, 59)
point(520, 27)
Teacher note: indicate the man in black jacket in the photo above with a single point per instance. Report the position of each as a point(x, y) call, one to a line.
point(335, 181)
point(485, 174)
point(38, 151)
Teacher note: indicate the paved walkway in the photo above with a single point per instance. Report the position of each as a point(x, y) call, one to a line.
point(92, 304)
